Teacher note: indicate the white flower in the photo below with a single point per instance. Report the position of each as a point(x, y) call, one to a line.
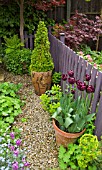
point(2, 168)
point(2, 159)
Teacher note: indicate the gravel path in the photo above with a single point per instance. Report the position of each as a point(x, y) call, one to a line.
point(38, 133)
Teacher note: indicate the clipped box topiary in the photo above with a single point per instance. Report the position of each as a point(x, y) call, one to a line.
point(41, 61)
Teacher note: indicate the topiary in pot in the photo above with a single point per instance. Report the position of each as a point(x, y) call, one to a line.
point(41, 61)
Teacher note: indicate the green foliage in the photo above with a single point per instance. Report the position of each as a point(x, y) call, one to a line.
point(9, 89)
point(41, 60)
point(9, 25)
point(81, 156)
point(10, 105)
point(72, 115)
point(16, 60)
point(50, 100)
point(56, 77)
point(94, 57)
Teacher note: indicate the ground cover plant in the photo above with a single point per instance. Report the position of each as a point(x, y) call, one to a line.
point(10, 105)
point(11, 154)
point(86, 154)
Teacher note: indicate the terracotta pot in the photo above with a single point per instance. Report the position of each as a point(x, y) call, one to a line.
point(64, 138)
point(41, 81)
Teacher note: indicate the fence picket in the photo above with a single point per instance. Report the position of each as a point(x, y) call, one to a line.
point(97, 92)
point(98, 122)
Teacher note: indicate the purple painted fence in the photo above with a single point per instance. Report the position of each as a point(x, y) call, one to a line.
point(65, 59)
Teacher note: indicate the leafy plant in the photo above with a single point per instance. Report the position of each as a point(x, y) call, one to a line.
point(10, 108)
point(50, 100)
point(10, 104)
point(56, 77)
point(73, 114)
point(16, 60)
point(41, 60)
point(84, 155)
point(11, 154)
point(93, 57)
point(10, 89)
point(80, 30)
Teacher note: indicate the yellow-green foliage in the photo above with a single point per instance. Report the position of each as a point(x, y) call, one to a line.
point(41, 60)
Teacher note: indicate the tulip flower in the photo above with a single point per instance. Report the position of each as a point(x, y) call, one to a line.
point(87, 77)
point(90, 89)
point(71, 73)
point(64, 77)
point(71, 80)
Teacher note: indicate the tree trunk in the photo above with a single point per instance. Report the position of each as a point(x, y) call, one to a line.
point(21, 21)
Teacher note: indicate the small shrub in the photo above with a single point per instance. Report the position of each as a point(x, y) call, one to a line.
point(17, 59)
point(50, 100)
point(56, 77)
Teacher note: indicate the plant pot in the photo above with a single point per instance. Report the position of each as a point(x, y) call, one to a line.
point(41, 81)
point(64, 138)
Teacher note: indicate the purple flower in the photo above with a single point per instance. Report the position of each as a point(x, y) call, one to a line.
point(12, 135)
point(18, 142)
point(16, 152)
point(12, 148)
point(71, 80)
point(23, 159)
point(71, 73)
point(26, 164)
point(87, 77)
point(64, 77)
point(78, 82)
point(90, 89)
point(73, 91)
point(15, 166)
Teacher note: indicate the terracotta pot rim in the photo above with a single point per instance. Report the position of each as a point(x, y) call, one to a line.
point(72, 135)
point(41, 71)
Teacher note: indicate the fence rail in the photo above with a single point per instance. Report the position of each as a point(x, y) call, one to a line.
point(66, 59)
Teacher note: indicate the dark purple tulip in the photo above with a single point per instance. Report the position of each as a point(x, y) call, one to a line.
point(81, 86)
point(73, 91)
point(78, 82)
point(87, 77)
point(90, 89)
point(71, 73)
point(18, 142)
point(71, 80)
point(64, 77)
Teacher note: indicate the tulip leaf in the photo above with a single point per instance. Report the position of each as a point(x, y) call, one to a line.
point(68, 122)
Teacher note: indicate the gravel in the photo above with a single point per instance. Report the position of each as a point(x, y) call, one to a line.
point(37, 132)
